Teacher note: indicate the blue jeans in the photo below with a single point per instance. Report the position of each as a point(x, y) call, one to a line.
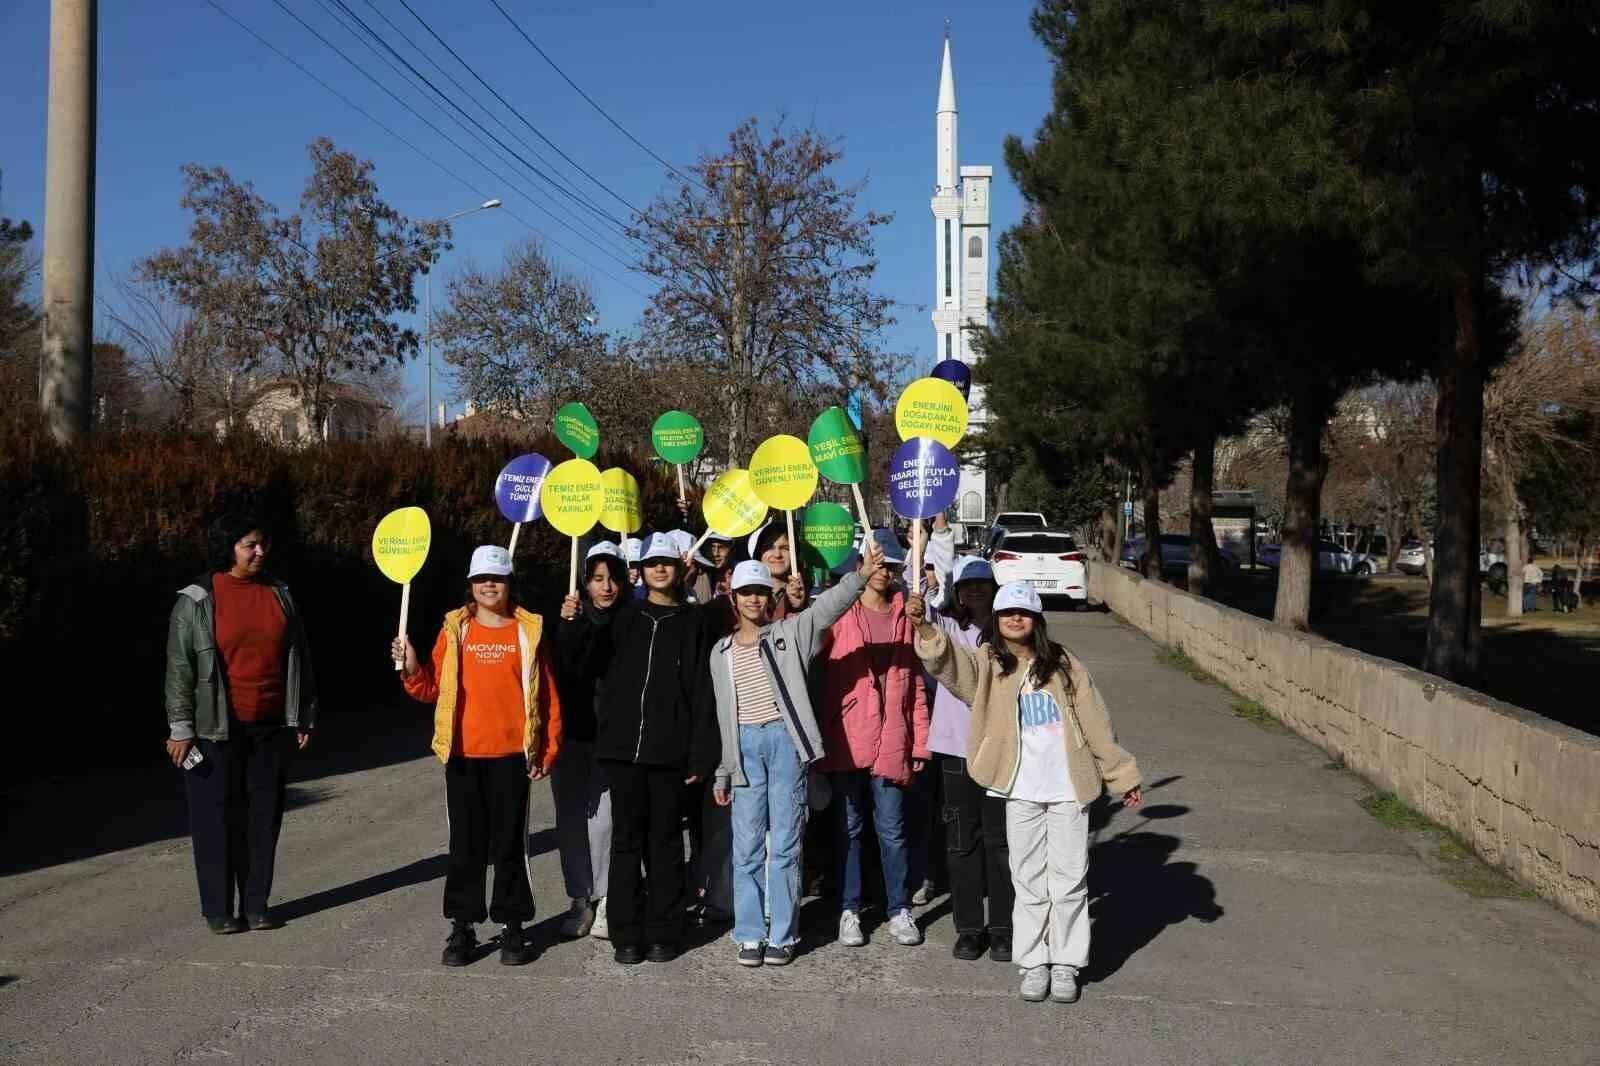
point(774, 801)
point(889, 820)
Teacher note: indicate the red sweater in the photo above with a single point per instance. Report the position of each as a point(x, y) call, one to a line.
point(253, 640)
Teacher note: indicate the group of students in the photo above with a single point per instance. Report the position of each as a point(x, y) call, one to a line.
point(722, 692)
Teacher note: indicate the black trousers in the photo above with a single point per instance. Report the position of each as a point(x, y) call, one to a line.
point(488, 804)
point(975, 851)
point(645, 898)
point(235, 814)
point(710, 848)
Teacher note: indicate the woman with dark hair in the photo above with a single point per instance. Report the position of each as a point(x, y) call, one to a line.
point(240, 695)
point(1041, 737)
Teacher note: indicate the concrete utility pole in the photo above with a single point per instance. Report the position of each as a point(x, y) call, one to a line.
point(64, 361)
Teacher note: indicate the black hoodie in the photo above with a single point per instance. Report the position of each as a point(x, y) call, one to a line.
point(654, 701)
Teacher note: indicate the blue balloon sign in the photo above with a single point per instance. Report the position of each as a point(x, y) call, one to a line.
point(923, 478)
point(516, 490)
point(956, 373)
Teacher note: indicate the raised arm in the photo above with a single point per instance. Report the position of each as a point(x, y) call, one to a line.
point(952, 664)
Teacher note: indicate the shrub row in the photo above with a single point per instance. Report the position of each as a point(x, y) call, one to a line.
point(95, 541)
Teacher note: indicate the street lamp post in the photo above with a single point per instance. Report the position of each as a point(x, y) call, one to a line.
point(427, 328)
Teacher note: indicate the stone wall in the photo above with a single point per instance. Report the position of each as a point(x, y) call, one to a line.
point(1524, 791)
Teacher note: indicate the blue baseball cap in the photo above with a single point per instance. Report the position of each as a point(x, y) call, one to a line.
point(971, 568)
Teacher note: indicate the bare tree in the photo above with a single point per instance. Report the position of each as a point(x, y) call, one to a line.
point(523, 338)
point(1382, 466)
point(1553, 375)
point(765, 267)
point(310, 295)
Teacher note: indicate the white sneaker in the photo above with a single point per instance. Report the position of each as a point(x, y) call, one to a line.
point(1035, 983)
point(600, 929)
point(850, 934)
point(1063, 984)
point(904, 929)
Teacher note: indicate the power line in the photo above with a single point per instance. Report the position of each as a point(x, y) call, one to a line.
point(599, 238)
point(523, 118)
point(589, 99)
point(435, 89)
point(369, 116)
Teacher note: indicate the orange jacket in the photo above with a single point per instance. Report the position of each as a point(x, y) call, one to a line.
point(441, 681)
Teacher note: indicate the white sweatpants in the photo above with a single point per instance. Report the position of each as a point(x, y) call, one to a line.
point(1049, 845)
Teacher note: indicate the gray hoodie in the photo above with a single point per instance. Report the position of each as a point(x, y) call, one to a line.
point(787, 647)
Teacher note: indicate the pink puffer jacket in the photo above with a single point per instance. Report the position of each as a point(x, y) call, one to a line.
point(867, 725)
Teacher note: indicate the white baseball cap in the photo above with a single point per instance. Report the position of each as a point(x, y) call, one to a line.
point(683, 539)
point(971, 568)
point(605, 547)
point(631, 549)
point(749, 574)
point(489, 560)
point(660, 546)
point(1017, 596)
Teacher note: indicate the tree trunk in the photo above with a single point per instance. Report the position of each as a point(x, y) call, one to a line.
point(1582, 567)
point(1111, 532)
point(1514, 559)
point(1203, 555)
point(1302, 504)
point(1393, 530)
point(1150, 494)
point(738, 404)
point(1455, 599)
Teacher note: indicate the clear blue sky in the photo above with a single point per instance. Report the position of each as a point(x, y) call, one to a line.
point(180, 83)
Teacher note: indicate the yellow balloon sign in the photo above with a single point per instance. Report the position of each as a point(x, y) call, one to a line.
point(731, 505)
point(619, 509)
point(782, 473)
point(572, 495)
point(932, 407)
point(400, 543)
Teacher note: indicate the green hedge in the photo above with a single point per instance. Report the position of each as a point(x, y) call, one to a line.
point(96, 541)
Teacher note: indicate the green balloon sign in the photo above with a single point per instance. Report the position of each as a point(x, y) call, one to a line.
point(829, 529)
point(575, 427)
point(836, 448)
point(678, 437)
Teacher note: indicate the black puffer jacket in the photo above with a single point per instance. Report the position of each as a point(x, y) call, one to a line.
point(654, 702)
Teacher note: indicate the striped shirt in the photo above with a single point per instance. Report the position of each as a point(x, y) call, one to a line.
point(752, 686)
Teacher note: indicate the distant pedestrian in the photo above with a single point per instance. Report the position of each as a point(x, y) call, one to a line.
point(1532, 578)
point(240, 696)
point(496, 726)
point(1040, 736)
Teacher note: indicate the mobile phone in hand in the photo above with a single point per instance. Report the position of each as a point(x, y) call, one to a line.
point(193, 759)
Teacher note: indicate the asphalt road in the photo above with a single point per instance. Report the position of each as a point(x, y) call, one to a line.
point(1253, 914)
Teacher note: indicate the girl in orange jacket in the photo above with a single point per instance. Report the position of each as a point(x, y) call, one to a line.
point(496, 726)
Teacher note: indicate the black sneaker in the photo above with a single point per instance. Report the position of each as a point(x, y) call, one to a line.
point(1000, 947)
point(515, 948)
point(661, 953)
point(263, 922)
point(461, 944)
point(223, 926)
point(628, 954)
point(749, 954)
point(969, 946)
point(779, 956)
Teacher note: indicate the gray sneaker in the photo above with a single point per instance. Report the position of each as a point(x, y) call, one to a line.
point(850, 934)
point(904, 929)
point(750, 954)
point(1063, 984)
point(1035, 983)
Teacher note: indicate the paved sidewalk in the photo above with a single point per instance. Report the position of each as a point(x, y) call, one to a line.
point(1253, 914)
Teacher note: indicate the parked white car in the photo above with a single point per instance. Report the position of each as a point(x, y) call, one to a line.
point(1331, 559)
point(1413, 559)
point(1047, 559)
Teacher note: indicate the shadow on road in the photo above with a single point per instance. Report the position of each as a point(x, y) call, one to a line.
point(1135, 891)
point(96, 810)
point(413, 873)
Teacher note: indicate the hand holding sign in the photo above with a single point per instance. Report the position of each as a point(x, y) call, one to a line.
point(571, 496)
point(836, 449)
point(923, 478)
point(782, 474)
point(516, 491)
point(400, 547)
point(678, 439)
